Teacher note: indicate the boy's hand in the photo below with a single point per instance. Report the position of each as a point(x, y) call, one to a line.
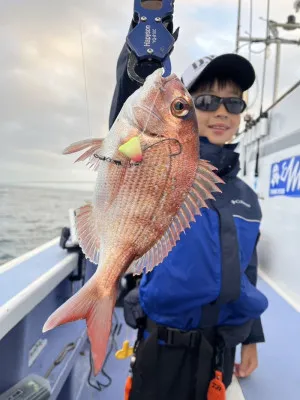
point(249, 361)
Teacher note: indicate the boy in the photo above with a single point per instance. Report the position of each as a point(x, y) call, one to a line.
point(194, 308)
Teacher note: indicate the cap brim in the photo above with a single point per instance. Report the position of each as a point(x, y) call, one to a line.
point(233, 66)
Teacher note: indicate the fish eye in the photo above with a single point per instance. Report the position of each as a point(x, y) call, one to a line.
point(180, 107)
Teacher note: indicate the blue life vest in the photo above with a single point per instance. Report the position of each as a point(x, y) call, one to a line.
point(222, 239)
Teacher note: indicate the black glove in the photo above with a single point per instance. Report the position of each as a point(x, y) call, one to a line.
point(133, 312)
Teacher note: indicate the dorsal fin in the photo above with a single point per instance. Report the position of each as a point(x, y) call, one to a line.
point(204, 183)
point(92, 145)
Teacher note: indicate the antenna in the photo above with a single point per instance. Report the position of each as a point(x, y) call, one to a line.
point(272, 36)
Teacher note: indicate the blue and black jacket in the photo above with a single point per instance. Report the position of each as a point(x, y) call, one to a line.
point(215, 262)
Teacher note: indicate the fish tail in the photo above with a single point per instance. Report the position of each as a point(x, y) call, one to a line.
point(97, 309)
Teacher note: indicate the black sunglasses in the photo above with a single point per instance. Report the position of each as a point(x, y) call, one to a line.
point(209, 102)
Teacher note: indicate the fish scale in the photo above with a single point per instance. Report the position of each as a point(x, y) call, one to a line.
point(134, 198)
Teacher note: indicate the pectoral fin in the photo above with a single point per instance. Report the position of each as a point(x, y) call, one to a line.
point(92, 145)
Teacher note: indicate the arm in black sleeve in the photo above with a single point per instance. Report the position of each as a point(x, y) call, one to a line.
point(125, 86)
point(256, 334)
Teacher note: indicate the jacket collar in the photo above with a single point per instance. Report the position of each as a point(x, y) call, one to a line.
point(222, 157)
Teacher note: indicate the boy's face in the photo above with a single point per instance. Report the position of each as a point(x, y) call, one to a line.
point(218, 126)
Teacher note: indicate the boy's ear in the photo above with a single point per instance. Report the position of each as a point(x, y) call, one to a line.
point(245, 96)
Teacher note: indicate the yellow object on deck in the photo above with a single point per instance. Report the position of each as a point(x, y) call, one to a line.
point(125, 352)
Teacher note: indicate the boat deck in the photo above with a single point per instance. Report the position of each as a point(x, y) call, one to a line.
point(277, 376)
point(35, 284)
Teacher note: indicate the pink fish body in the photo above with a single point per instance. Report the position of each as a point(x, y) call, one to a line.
point(149, 187)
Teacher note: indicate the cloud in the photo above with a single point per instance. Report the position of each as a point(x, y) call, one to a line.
point(43, 105)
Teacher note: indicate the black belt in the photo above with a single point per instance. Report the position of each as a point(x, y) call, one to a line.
point(180, 338)
point(202, 340)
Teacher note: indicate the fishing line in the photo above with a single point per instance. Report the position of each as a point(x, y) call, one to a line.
point(113, 344)
point(164, 140)
point(150, 111)
point(131, 164)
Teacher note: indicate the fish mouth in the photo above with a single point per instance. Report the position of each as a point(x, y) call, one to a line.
point(169, 78)
point(164, 81)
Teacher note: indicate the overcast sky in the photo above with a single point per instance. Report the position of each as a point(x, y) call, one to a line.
point(42, 91)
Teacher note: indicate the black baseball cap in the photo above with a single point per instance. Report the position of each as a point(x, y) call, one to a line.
point(231, 65)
